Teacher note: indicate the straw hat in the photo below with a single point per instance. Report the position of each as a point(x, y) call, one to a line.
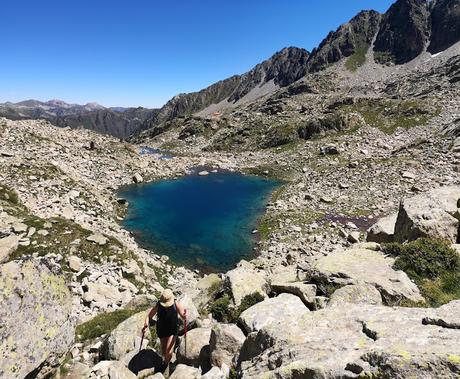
point(167, 298)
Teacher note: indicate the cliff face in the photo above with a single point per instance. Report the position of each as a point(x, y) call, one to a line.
point(403, 32)
point(349, 38)
point(445, 25)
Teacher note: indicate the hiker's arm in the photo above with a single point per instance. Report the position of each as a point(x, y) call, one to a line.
point(180, 310)
point(150, 315)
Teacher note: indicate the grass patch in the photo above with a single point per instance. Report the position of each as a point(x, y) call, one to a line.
point(432, 265)
point(103, 323)
point(357, 59)
point(388, 115)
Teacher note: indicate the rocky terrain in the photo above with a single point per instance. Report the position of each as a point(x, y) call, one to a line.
point(357, 265)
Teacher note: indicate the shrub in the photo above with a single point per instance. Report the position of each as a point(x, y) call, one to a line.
point(220, 308)
point(434, 267)
point(424, 258)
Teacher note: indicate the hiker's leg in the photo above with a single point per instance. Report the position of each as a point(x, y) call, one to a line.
point(171, 340)
point(164, 344)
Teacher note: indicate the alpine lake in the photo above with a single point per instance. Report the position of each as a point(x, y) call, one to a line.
point(204, 222)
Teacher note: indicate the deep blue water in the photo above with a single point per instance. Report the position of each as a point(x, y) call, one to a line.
point(199, 221)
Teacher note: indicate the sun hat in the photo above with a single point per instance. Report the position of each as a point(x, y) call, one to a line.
point(167, 298)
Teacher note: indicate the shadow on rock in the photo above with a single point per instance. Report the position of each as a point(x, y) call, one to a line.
point(145, 359)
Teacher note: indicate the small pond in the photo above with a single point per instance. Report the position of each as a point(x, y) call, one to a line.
point(200, 221)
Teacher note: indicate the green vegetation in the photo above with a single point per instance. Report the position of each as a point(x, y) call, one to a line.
point(103, 323)
point(433, 266)
point(388, 115)
point(357, 59)
point(223, 312)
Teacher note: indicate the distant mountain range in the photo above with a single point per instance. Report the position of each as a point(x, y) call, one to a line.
point(407, 29)
point(117, 121)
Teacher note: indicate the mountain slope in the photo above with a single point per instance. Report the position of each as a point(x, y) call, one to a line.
point(282, 69)
point(353, 37)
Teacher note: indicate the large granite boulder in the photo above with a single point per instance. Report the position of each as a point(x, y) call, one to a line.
point(182, 372)
point(285, 306)
point(245, 280)
point(125, 338)
point(383, 230)
point(434, 214)
point(225, 343)
point(357, 340)
point(8, 245)
point(363, 266)
point(36, 318)
point(198, 351)
point(306, 292)
point(357, 294)
point(101, 295)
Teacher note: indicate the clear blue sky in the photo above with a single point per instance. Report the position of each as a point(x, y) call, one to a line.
point(143, 52)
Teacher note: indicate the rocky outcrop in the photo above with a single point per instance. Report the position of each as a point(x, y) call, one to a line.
point(357, 294)
point(363, 266)
point(36, 313)
point(357, 340)
point(8, 245)
point(434, 214)
point(198, 351)
point(125, 338)
point(350, 38)
point(245, 280)
point(403, 32)
point(445, 25)
point(225, 343)
point(383, 230)
point(182, 371)
point(284, 307)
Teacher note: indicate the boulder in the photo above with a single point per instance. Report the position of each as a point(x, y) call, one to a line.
point(362, 266)
point(285, 306)
point(8, 245)
point(137, 178)
point(357, 340)
point(225, 343)
point(357, 294)
point(217, 373)
point(434, 214)
point(306, 292)
point(36, 318)
point(383, 230)
point(118, 370)
point(197, 353)
point(185, 372)
point(74, 263)
point(192, 312)
point(102, 294)
point(244, 280)
point(98, 238)
point(125, 338)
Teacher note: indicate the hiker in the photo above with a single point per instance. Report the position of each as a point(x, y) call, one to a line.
point(167, 310)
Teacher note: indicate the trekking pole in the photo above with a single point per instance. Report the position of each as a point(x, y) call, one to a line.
point(142, 339)
point(185, 330)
